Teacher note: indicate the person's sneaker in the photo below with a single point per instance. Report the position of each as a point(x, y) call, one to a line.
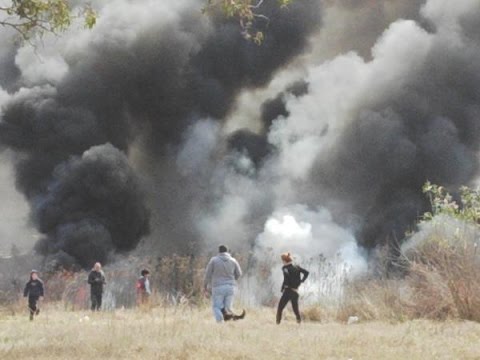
point(37, 311)
point(31, 316)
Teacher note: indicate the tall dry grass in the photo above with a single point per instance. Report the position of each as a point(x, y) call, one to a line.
point(438, 278)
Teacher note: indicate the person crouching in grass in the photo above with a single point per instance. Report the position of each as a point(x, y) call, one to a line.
point(34, 292)
point(292, 279)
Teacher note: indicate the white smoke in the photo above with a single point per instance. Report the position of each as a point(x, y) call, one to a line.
point(316, 243)
point(447, 14)
point(41, 64)
point(338, 88)
point(230, 220)
point(339, 91)
point(198, 148)
point(443, 228)
point(15, 228)
point(307, 233)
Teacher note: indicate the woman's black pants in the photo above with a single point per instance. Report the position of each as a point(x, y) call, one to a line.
point(288, 295)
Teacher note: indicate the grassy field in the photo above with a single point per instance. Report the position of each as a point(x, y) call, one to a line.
point(192, 334)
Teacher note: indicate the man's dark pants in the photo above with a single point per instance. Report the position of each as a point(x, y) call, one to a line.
point(32, 305)
point(96, 297)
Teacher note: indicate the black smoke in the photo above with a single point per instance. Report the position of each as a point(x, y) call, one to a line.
point(276, 107)
point(85, 196)
point(256, 145)
point(94, 203)
point(430, 130)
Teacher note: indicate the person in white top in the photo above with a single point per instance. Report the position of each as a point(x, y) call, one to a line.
point(143, 287)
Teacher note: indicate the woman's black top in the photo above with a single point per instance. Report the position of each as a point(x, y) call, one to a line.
point(292, 276)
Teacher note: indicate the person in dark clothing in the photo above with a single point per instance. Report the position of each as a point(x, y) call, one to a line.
point(292, 279)
point(34, 292)
point(96, 279)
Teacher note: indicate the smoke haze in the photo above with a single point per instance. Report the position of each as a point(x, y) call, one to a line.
point(165, 130)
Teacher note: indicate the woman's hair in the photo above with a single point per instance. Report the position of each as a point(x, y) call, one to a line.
point(287, 257)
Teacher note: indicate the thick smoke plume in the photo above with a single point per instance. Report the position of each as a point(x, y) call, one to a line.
point(144, 80)
point(344, 111)
point(411, 115)
point(370, 129)
point(93, 204)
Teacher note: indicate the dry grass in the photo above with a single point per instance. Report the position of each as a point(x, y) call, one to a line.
point(437, 279)
point(190, 333)
point(415, 315)
point(376, 299)
point(444, 277)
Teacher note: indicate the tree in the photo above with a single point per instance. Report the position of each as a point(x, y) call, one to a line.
point(36, 17)
point(466, 208)
point(247, 11)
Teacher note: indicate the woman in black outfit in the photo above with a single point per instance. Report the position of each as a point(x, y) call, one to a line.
point(291, 282)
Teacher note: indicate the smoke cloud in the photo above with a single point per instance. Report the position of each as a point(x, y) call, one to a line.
point(139, 80)
point(329, 252)
point(174, 123)
point(370, 130)
point(93, 204)
point(416, 120)
point(14, 229)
